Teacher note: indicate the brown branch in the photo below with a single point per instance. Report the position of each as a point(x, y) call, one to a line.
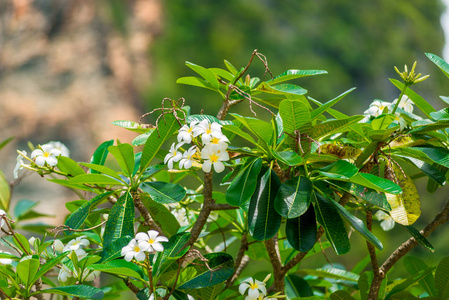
point(243, 263)
point(439, 219)
point(131, 286)
point(205, 210)
point(238, 259)
point(224, 206)
point(375, 285)
point(275, 258)
point(148, 220)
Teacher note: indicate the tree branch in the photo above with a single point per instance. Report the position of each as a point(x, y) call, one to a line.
point(272, 247)
point(148, 220)
point(374, 289)
point(439, 219)
point(239, 259)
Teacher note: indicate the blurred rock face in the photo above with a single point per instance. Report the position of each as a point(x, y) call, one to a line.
point(67, 71)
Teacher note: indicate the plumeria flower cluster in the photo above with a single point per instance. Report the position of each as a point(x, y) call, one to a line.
point(45, 155)
point(75, 246)
point(256, 289)
point(211, 145)
point(142, 243)
point(377, 107)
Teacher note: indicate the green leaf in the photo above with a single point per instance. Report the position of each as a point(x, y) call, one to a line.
point(102, 169)
point(419, 101)
point(244, 184)
point(413, 265)
point(195, 81)
point(293, 74)
point(294, 114)
point(5, 193)
point(114, 249)
point(282, 89)
point(22, 243)
point(290, 158)
point(27, 269)
point(341, 295)
point(124, 154)
point(356, 223)
point(157, 139)
point(68, 184)
point(259, 128)
point(221, 267)
point(263, 220)
point(419, 238)
point(442, 278)
point(382, 122)
point(173, 250)
point(133, 126)
point(121, 220)
point(94, 179)
point(230, 67)
point(334, 126)
point(6, 142)
point(142, 139)
point(100, 154)
point(118, 267)
point(432, 171)
point(205, 73)
point(164, 192)
point(376, 183)
point(328, 217)
point(69, 166)
point(237, 131)
point(420, 127)
point(331, 273)
point(293, 197)
point(296, 286)
point(223, 73)
point(49, 265)
point(301, 232)
point(369, 195)
point(441, 63)
point(339, 170)
point(82, 291)
point(77, 218)
point(323, 108)
point(211, 119)
point(161, 215)
point(410, 281)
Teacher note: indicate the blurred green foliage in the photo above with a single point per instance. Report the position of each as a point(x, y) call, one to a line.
point(358, 42)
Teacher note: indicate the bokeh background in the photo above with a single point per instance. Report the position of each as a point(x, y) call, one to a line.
point(68, 68)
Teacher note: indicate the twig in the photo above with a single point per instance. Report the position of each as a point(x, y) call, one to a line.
point(148, 220)
point(222, 206)
point(131, 286)
point(60, 228)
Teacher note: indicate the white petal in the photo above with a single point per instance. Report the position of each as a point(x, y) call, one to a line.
point(129, 256)
point(40, 161)
point(51, 161)
point(243, 287)
point(158, 247)
point(37, 152)
point(207, 166)
point(161, 239)
point(219, 167)
point(140, 256)
point(142, 236)
point(253, 293)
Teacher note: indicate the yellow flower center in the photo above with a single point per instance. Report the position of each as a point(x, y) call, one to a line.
point(253, 286)
point(136, 249)
point(215, 140)
point(151, 241)
point(46, 154)
point(213, 158)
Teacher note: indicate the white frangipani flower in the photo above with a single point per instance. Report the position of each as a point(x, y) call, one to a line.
point(59, 146)
point(187, 158)
point(400, 120)
point(58, 246)
point(376, 108)
point(89, 275)
point(2, 216)
point(214, 155)
point(46, 155)
point(151, 241)
point(405, 104)
point(20, 164)
point(387, 222)
point(76, 244)
point(185, 134)
point(134, 250)
point(173, 156)
point(64, 274)
point(255, 288)
point(151, 297)
point(207, 131)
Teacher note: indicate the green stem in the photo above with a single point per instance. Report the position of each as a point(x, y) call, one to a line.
point(400, 97)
